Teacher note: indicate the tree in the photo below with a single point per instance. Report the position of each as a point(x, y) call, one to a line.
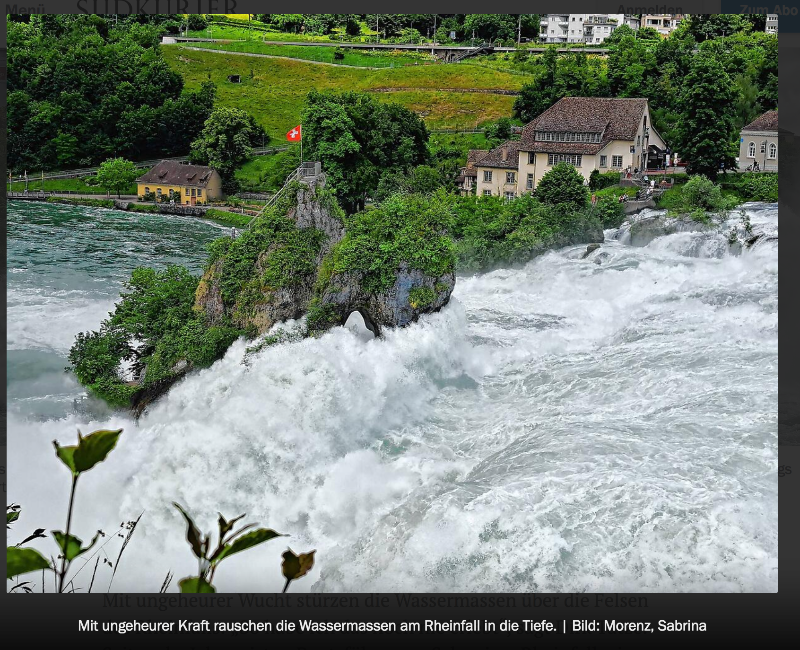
point(618, 34)
point(538, 96)
point(358, 140)
point(196, 22)
point(352, 26)
point(226, 142)
point(499, 130)
point(491, 27)
point(84, 88)
point(707, 108)
point(572, 75)
point(562, 185)
point(630, 64)
point(648, 34)
point(707, 26)
point(116, 174)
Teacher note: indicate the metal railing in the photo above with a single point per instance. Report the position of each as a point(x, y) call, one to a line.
point(291, 178)
point(305, 171)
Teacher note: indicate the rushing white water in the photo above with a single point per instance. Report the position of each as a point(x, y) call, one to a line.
point(567, 426)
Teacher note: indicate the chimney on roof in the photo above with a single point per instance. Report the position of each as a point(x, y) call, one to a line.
point(504, 153)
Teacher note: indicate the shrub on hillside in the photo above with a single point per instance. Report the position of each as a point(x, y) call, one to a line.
point(702, 193)
point(598, 181)
point(563, 185)
point(609, 211)
point(760, 187)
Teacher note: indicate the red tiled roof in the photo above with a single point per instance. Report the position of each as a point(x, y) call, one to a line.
point(172, 172)
point(494, 158)
point(616, 119)
point(766, 122)
point(474, 155)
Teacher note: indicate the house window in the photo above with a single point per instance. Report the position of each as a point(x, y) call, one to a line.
point(199, 192)
point(531, 158)
point(509, 196)
point(193, 192)
point(158, 192)
point(511, 177)
point(616, 161)
point(604, 161)
point(147, 190)
point(638, 140)
point(773, 150)
point(171, 193)
point(764, 147)
point(572, 159)
point(529, 183)
point(487, 177)
point(751, 150)
point(487, 192)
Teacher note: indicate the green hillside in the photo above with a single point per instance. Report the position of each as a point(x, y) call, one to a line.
point(273, 90)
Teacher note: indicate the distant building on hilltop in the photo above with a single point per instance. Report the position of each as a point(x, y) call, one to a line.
point(186, 184)
point(587, 132)
point(582, 28)
point(664, 24)
point(772, 24)
point(758, 143)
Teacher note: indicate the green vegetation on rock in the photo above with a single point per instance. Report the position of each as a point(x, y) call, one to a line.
point(490, 231)
point(410, 229)
point(154, 329)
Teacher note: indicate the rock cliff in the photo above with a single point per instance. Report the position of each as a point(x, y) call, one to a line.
point(264, 299)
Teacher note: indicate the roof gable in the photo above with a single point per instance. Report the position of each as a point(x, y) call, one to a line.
point(172, 172)
point(766, 122)
point(495, 157)
point(616, 119)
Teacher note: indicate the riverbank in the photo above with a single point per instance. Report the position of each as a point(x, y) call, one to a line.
point(217, 214)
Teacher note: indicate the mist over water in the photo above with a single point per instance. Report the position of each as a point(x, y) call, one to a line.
point(566, 426)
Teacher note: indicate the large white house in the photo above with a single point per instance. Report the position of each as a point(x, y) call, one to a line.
point(758, 143)
point(580, 28)
point(587, 132)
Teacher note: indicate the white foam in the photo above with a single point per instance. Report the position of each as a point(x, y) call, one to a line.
point(565, 426)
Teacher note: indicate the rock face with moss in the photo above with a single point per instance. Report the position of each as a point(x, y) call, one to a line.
point(267, 274)
point(412, 294)
point(391, 264)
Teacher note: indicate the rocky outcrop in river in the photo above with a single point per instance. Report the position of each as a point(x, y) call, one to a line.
point(343, 292)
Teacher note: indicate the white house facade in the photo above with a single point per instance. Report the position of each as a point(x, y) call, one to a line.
point(758, 143)
point(587, 132)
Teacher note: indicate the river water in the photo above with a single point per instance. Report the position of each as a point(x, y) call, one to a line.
point(566, 426)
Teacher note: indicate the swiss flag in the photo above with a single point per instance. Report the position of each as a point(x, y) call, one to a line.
point(295, 134)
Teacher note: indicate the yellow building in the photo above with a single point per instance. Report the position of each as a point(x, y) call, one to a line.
point(587, 132)
point(185, 184)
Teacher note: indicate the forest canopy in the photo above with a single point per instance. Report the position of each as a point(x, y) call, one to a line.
point(85, 88)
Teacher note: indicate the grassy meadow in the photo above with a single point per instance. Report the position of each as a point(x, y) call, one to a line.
point(274, 90)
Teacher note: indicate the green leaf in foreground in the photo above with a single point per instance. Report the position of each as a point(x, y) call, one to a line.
point(196, 586)
point(11, 517)
point(23, 560)
point(89, 451)
point(71, 546)
point(94, 448)
point(296, 566)
point(251, 539)
point(66, 454)
point(193, 535)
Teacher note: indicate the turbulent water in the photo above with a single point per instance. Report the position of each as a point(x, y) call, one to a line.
point(607, 423)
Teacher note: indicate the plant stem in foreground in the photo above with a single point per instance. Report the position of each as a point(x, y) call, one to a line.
point(64, 566)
